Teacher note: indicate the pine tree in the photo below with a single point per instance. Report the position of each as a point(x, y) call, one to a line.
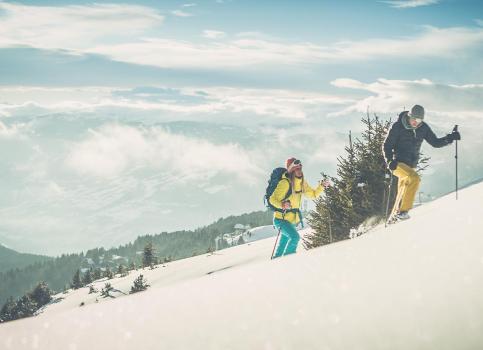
point(87, 278)
point(97, 274)
point(105, 291)
point(8, 310)
point(76, 280)
point(121, 270)
point(148, 255)
point(240, 240)
point(108, 273)
point(41, 294)
point(25, 307)
point(132, 266)
point(139, 285)
point(358, 191)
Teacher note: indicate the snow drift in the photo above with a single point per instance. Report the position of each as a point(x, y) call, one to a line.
point(415, 285)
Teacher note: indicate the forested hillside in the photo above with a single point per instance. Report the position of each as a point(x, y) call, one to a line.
point(10, 259)
point(58, 272)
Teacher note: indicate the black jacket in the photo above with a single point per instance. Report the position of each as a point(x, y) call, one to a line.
point(403, 144)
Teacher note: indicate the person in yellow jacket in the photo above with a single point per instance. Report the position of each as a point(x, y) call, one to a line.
point(289, 217)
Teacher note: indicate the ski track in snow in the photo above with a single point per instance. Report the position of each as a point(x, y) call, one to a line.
point(416, 285)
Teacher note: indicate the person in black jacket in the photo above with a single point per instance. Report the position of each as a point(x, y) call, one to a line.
point(401, 152)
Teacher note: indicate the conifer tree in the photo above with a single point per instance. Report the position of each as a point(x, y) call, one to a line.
point(240, 240)
point(25, 307)
point(41, 294)
point(108, 273)
point(87, 278)
point(121, 270)
point(8, 310)
point(76, 280)
point(358, 191)
point(97, 274)
point(105, 291)
point(148, 255)
point(139, 285)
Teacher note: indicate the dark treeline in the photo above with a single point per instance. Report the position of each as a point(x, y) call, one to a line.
point(26, 305)
point(58, 272)
point(10, 259)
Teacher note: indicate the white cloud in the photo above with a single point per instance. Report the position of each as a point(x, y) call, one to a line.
point(457, 102)
point(410, 3)
point(269, 103)
point(74, 27)
point(189, 5)
point(433, 42)
point(180, 13)
point(244, 52)
point(6, 131)
point(213, 34)
point(126, 33)
point(167, 53)
point(113, 149)
point(278, 103)
point(216, 189)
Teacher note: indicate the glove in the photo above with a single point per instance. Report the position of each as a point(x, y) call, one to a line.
point(286, 205)
point(392, 165)
point(455, 135)
point(325, 183)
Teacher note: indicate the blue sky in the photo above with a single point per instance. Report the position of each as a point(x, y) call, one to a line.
point(125, 118)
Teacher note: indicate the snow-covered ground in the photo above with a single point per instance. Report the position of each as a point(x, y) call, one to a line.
point(414, 285)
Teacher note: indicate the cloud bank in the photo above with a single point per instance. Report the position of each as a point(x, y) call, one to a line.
point(112, 149)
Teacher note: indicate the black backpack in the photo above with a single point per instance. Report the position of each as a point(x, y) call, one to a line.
point(275, 178)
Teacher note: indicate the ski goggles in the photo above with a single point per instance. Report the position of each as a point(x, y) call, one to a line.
point(417, 120)
point(295, 164)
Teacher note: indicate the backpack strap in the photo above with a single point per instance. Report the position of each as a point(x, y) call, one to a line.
point(289, 192)
point(295, 211)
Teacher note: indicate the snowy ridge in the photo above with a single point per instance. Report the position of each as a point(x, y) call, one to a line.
point(415, 285)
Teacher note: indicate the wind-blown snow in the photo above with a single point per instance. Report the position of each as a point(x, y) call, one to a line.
point(414, 285)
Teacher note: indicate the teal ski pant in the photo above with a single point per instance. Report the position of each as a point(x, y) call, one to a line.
point(289, 238)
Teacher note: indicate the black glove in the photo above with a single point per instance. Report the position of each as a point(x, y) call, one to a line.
point(455, 135)
point(392, 165)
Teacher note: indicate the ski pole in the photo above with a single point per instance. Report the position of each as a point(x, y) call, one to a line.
point(330, 225)
point(328, 210)
point(278, 235)
point(455, 129)
point(388, 199)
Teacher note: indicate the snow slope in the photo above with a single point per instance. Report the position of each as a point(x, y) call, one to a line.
point(414, 285)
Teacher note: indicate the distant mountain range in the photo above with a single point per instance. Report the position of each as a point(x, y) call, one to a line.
point(10, 259)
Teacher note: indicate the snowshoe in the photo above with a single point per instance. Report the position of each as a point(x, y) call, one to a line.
point(403, 215)
point(398, 217)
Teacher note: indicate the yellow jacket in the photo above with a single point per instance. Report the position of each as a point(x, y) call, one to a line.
point(295, 198)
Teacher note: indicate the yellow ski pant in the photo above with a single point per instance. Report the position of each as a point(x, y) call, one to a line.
point(407, 186)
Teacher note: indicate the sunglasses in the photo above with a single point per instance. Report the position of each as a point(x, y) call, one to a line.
point(417, 120)
point(297, 162)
